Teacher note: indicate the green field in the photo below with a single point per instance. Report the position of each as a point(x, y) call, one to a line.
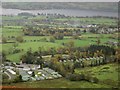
point(107, 74)
point(93, 20)
point(58, 83)
point(81, 21)
point(35, 42)
point(8, 31)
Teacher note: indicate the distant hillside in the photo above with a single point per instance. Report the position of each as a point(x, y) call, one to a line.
point(104, 6)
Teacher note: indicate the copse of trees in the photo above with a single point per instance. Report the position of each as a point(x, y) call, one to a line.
point(19, 39)
point(4, 39)
point(58, 35)
point(25, 14)
point(52, 39)
point(106, 50)
point(32, 58)
point(17, 79)
point(82, 77)
point(73, 53)
point(3, 56)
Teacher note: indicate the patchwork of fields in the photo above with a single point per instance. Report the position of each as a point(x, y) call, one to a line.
point(36, 45)
point(32, 41)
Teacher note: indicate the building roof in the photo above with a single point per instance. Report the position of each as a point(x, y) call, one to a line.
point(11, 71)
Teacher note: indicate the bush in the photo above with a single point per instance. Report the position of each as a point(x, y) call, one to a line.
point(73, 77)
point(52, 39)
point(93, 80)
point(16, 51)
point(106, 68)
point(19, 39)
point(7, 81)
point(4, 76)
point(87, 77)
point(82, 77)
point(17, 79)
point(79, 77)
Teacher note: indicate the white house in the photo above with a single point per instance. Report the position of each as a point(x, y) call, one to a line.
point(11, 71)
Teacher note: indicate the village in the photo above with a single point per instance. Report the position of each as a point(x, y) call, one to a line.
point(29, 72)
point(34, 72)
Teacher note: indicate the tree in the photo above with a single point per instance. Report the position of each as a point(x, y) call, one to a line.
point(15, 45)
point(77, 54)
point(59, 36)
point(33, 74)
point(84, 31)
point(98, 41)
point(76, 37)
point(19, 39)
point(3, 56)
point(52, 39)
point(18, 78)
point(40, 52)
point(70, 46)
point(44, 39)
point(4, 40)
point(52, 51)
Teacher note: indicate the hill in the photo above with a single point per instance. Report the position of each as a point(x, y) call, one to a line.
point(104, 6)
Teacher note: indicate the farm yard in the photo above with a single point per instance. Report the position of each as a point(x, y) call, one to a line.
point(59, 51)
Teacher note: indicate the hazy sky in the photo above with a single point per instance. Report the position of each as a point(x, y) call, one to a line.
point(59, 0)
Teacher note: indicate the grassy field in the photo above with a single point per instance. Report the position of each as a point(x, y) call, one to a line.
point(87, 39)
point(105, 21)
point(32, 41)
point(13, 31)
point(45, 45)
point(58, 83)
point(107, 74)
point(107, 79)
point(12, 17)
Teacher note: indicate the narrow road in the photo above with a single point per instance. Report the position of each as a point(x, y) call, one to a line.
point(8, 75)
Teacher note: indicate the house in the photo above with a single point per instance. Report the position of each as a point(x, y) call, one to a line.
point(26, 68)
point(65, 56)
point(8, 67)
point(87, 58)
point(77, 60)
point(11, 71)
point(25, 76)
point(30, 72)
point(93, 25)
point(38, 67)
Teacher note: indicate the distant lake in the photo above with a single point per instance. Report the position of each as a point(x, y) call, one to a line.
point(67, 12)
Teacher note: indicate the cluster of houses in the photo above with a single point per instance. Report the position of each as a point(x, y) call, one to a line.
point(107, 31)
point(113, 43)
point(86, 61)
point(29, 72)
